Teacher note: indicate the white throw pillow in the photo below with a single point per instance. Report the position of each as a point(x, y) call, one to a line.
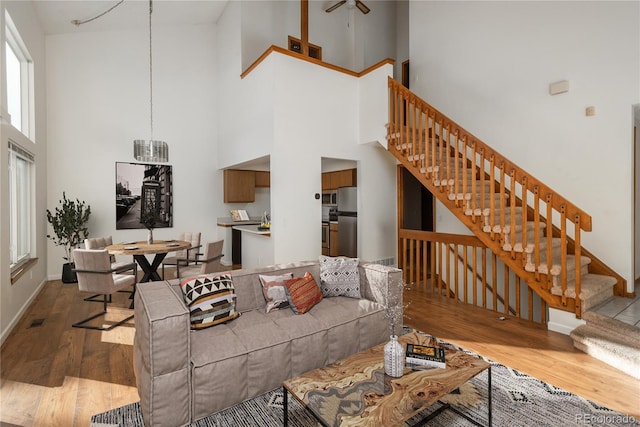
point(339, 277)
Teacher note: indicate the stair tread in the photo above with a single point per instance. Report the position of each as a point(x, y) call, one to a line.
point(590, 285)
point(611, 325)
point(615, 351)
point(601, 335)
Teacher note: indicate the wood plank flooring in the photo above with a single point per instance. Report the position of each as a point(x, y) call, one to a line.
point(524, 346)
point(56, 375)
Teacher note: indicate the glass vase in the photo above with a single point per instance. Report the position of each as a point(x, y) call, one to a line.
point(393, 357)
point(150, 237)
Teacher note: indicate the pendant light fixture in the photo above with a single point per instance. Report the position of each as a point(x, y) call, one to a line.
point(151, 150)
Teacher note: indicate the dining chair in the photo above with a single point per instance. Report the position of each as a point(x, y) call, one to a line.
point(189, 254)
point(96, 276)
point(101, 243)
point(210, 262)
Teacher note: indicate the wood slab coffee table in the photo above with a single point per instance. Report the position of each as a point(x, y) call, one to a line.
point(356, 392)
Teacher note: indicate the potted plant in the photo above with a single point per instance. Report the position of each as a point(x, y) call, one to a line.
point(69, 223)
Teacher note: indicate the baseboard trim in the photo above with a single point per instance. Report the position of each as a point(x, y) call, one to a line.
point(562, 321)
point(20, 313)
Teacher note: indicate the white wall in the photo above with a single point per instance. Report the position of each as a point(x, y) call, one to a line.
point(305, 132)
point(488, 65)
point(98, 104)
point(15, 298)
point(402, 37)
point(348, 38)
point(298, 124)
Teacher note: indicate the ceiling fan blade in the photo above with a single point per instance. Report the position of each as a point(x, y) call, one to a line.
point(335, 6)
point(363, 8)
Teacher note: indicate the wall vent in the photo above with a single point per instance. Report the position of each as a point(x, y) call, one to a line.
point(36, 322)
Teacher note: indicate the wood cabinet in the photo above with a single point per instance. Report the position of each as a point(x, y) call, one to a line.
point(333, 239)
point(336, 179)
point(239, 186)
point(263, 178)
point(325, 181)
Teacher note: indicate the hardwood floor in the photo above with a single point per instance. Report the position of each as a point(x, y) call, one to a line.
point(56, 375)
point(529, 348)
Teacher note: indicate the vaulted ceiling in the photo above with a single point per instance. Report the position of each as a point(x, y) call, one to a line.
point(56, 15)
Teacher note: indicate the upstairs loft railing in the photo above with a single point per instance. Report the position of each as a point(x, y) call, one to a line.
point(273, 48)
point(512, 212)
point(462, 267)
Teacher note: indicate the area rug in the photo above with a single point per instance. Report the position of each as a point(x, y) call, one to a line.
point(518, 400)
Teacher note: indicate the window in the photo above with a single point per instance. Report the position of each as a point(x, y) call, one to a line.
point(19, 76)
point(21, 164)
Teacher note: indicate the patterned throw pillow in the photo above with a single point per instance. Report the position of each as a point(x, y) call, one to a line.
point(339, 277)
point(303, 293)
point(273, 290)
point(211, 299)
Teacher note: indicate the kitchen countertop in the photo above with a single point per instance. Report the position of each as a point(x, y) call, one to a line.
point(227, 221)
point(252, 229)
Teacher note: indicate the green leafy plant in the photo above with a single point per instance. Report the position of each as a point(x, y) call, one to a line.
point(69, 223)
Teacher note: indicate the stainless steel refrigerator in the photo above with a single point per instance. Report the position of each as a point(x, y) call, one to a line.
point(348, 221)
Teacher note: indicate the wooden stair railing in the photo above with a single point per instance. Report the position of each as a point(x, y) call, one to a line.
point(487, 192)
point(462, 267)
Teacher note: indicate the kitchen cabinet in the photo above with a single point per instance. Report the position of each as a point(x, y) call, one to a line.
point(333, 239)
point(348, 178)
point(336, 179)
point(325, 181)
point(263, 179)
point(239, 186)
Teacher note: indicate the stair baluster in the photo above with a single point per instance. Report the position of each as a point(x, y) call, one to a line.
point(444, 157)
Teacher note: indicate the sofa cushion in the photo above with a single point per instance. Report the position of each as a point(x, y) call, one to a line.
point(303, 293)
point(218, 358)
point(339, 276)
point(211, 299)
point(274, 291)
point(248, 287)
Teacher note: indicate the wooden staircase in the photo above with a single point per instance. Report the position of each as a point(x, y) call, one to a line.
point(534, 230)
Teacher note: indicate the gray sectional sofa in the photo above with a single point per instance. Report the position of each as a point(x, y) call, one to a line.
point(184, 375)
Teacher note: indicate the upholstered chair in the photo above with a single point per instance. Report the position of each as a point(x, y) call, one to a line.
point(96, 276)
point(209, 262)
point(187, 256)
point(101, 243)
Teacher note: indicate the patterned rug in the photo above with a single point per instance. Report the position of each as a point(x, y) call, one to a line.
point(518, 400)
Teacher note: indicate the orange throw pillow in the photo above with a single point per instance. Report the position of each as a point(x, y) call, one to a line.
point(303, 293)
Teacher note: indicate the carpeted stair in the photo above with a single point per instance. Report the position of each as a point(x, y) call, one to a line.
point(612, 341)
point(498, 203)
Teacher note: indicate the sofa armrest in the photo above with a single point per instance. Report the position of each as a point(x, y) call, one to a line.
point(383, 284)
point(162, 354)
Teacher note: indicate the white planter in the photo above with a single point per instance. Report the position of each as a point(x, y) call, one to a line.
point(393, 357)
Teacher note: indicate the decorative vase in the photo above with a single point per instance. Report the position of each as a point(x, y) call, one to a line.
point(393, 358)
point(68, 275)
point(150, 236)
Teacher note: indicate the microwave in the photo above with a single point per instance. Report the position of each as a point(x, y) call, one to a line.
point(330, 198)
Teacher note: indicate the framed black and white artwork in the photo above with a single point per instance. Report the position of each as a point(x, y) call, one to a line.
point(143, 196)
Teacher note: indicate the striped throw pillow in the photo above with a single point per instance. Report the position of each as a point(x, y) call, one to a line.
point(303, 293)
point(211, 299)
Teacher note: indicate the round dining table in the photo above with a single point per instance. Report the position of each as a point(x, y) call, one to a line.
point(159, 248)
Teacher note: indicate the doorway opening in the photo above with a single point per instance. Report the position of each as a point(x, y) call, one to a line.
point(416, 209)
